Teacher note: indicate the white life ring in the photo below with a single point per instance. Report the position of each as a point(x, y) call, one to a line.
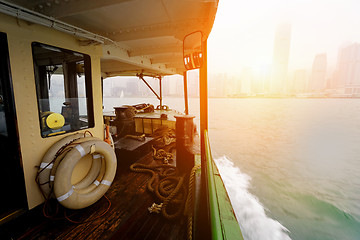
point(93, 184)
point(67, 194)
point(93, 172)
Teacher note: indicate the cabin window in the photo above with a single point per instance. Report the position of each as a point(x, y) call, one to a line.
point(63, 87)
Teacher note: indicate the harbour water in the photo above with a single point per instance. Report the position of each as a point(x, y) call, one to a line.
point(291, 166)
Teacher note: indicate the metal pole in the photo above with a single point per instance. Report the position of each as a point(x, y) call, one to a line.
point(204, 226)
point(186, 94)
point(160, 86)
point(102, 90)
point(203, 101)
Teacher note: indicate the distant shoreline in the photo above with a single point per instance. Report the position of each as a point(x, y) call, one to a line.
point(287, 97)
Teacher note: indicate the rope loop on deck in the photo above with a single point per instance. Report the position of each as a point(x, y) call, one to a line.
point(169, 188)
point(163, 170)
point(172, 192)
point(161, 154)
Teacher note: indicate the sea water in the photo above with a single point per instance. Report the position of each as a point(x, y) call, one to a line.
point(291, 166)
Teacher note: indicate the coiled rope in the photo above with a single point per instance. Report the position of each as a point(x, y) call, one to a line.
point(169, 189)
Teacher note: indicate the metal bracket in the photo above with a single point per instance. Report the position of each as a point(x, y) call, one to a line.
point(141, 76)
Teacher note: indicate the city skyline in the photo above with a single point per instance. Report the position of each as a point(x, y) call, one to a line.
point(246, 38)
point(249, 54)
point(318, 81)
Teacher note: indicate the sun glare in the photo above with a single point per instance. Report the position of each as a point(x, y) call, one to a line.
point(284, 47)
point(244, 32)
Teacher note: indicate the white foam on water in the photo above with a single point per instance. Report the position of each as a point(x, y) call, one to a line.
point(254, 223)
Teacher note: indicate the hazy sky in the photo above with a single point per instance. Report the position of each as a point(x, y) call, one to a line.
point(243, 32)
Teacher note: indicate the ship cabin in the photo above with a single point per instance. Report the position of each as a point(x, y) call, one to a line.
point(72, 171)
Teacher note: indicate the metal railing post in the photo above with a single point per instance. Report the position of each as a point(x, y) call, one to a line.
point(160, 86)
point(203, 225)
point(186, 94)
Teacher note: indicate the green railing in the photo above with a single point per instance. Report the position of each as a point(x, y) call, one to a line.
point(222, 217)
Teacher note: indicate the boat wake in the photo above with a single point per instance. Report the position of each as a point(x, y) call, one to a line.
point(254, 223)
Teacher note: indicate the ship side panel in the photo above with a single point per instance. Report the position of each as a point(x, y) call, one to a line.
point(32, 145)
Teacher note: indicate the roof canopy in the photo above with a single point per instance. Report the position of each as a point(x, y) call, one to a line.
point(145, 35)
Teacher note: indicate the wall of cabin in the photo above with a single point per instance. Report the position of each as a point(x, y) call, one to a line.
point(20, 36)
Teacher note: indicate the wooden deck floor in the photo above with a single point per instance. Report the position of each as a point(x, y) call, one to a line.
point(128, 217)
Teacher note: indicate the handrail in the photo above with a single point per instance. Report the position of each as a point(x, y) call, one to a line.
point(216, 229)
point(223, 222)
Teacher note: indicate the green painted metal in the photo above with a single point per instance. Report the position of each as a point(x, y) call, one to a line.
point(224, 224)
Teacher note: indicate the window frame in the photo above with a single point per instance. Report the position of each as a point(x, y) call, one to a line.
point(88, 88)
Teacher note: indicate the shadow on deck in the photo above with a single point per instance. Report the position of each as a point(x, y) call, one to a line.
point(127, 218)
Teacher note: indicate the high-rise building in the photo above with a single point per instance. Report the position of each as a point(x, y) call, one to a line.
point(280, 58)
point(348, 69)
point(318, 74)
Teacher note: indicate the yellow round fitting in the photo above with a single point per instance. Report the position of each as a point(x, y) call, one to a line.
point(55, 121)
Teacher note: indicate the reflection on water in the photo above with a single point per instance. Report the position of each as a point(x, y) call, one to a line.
point(302, 155)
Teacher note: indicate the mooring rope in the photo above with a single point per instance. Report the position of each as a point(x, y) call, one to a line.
point(165, 170)
point(163, 136)
point(169, 189)
point(189, 206)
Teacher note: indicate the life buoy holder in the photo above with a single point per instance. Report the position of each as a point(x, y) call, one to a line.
point(66, 193)
point(47, 164)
